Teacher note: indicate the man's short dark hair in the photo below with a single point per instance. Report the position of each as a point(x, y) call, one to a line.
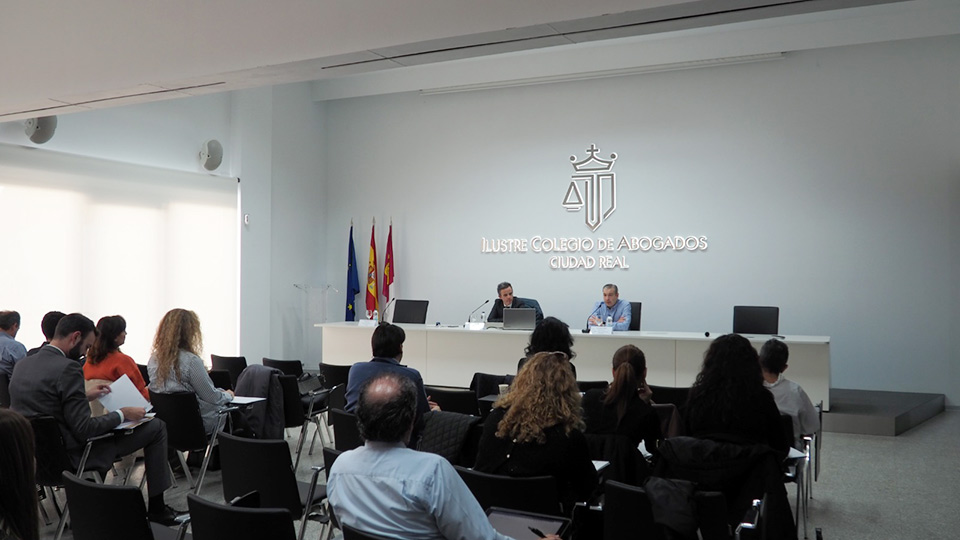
point(387, 414)
point(612, 286)
point(8, 319)
point(503, 286)
point(773, 356)
point(74, 322)
point(49, 323)
point(387, 340)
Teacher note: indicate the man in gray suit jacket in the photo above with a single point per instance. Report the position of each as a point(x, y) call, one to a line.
point(51, 383)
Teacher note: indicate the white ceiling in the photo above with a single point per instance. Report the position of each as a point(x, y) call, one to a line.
point(73, 56)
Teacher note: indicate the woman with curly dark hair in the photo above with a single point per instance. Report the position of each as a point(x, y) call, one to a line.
point(18, 497)
point(536, 429)
point(728, 401)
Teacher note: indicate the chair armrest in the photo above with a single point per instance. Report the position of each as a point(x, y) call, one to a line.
point(182, 529)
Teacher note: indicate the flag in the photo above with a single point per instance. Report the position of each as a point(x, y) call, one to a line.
point(388, 289)
point(372, 300)
point(353, 281)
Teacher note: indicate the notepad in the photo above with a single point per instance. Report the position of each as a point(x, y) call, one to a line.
point(123, 394)
point(244, 400)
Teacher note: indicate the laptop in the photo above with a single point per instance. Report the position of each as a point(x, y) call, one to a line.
point(519, 318)
point(756, 320)
point(410, 311)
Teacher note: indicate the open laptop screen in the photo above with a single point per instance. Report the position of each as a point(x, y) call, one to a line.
point(519, 318)
point(756, 320)
point(410, 311)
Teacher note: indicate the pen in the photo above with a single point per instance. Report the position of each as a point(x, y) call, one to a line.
point(537, 532)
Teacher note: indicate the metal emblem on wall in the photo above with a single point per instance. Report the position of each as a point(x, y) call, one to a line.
point(599, 184)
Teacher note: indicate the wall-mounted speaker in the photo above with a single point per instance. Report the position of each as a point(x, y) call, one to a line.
point(40, 130)
point(211, 156)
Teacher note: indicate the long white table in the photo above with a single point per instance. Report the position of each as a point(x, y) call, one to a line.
point(450, 356)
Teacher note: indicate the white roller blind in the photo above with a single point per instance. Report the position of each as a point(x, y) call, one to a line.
point(106, 238)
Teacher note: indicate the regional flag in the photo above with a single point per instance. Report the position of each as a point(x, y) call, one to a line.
point(388, 288)
point(353, 281)
point(372, 300)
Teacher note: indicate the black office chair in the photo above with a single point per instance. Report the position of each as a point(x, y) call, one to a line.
point(288, 367)
point(454, 399)
point(670, 394)
point(627, 513)
point(795, 471)
point(445, 433)
point(4, 390)
point(180, 411)
point(333, 375)
point(145, 373)
point(295, 416)
point(349, 533)
point(337, 399)
point(346, 433)
point(264, 466)
point(537, 494)
point(586, 386)
point(232, 364)
point(126, 515)
point(753, 526)
point(53, 461)
point(221, 379)
point(212, 521)
point(635, 316)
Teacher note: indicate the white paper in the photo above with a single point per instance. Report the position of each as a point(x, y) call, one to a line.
point(130, 424)
point(123, 394)
point(244, 400)
point(600, 465)
point(601, 330)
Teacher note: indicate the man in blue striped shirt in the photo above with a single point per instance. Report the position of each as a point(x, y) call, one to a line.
point(11, 350)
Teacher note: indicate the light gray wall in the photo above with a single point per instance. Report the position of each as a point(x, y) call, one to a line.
point(827, 184)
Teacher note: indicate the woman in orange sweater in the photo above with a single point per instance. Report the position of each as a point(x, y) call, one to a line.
point(104, 359)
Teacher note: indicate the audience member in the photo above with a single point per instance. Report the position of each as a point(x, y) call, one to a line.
point(11, 350)
point(387, 347)
point(536, 429)
point(104, 359)
point(48, 325)
point(551, 335)
point(386, 489)
point(790, 397)
point(18, 497)
point(624, 407)
point(175, 365)
point(51, 383)
point(617, 311)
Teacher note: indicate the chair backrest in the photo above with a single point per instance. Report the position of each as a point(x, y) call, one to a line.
point(125, 518)
point(444, 433)
point(212, 521)
point(627, 513)
point(337, 399)
point(330, 455)
point(52, 457)
point(181, 413)
point(292, 407)
point(532, 494)
point(349, 533)
point(259, 465)
point(288, 367)
point(670, 394)
point(221, 379)
point(145, 373)
point(232, 364)
point(454, 399)
point(669, 415)
point(333, 375)
point(635, 316)
point(346, 433)
point(586, 386)
point(4, 390)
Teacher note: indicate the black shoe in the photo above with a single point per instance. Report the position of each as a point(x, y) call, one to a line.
point(168, 516)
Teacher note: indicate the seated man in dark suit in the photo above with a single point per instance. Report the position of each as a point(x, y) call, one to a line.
point(51, 383)
point(507, 300)
point(387, 345)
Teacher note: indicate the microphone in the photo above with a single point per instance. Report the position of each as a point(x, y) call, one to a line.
point(383, 314)
point(478, 308)
point(586, 329)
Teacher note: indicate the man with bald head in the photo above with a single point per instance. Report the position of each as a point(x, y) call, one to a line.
point(387, 489)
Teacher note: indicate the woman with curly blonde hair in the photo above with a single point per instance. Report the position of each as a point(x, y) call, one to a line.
point(175, 365)
point(536, 429)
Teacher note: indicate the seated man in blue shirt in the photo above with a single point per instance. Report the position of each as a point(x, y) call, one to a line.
point(387, 344)
point(386, 489)
point(614, 308)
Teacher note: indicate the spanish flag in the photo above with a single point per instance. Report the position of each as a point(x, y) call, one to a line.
point(372, 301)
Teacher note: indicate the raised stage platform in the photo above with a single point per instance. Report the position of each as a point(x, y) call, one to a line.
point(874, 412)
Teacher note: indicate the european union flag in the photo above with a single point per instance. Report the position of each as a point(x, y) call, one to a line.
point(353, 281)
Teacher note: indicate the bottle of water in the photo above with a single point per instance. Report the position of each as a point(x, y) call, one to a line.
point(609, 320)
point(376, 317)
